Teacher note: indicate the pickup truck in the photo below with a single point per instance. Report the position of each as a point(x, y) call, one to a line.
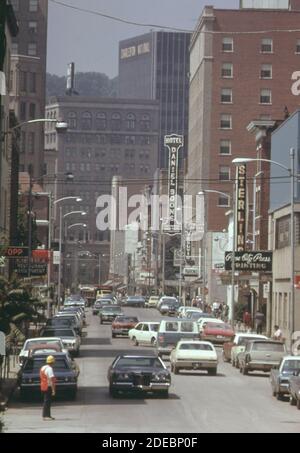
point(261, 355)
point(280, 376)
point(294, 390)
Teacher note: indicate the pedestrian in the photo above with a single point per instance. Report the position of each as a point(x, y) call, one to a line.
point(278, 335)
point(247, 319)
point(259, 322)
point(48, 389)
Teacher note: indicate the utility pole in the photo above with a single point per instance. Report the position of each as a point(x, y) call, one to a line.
point(30, 223)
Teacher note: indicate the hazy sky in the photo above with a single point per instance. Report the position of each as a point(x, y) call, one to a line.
point(92, 41)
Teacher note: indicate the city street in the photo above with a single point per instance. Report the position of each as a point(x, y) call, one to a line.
point(227, 403)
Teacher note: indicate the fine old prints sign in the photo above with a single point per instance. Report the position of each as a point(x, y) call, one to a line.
point(241, 208)
point(250, 261)
point(174, 143)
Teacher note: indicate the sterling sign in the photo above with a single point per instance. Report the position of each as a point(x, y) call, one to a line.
point(174, 143)
point(241, 211)
point(250, 261)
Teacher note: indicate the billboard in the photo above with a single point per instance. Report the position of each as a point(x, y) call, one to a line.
point(250, 261)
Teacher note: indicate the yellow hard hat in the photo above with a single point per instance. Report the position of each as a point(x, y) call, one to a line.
point(50, 360)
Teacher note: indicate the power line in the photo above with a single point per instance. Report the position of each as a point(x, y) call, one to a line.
point(120, 19)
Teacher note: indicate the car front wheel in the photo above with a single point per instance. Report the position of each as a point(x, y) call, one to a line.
point(135, 342)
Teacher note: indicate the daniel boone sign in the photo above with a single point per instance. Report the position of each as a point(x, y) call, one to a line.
point(250, 261)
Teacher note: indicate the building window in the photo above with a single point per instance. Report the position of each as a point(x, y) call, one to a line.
point(32, 49)
point(101, 121)
point(130, 140)
point(31, 142)
point(266, 97)
point(130, 121)
point(266, 71)
point(72, 120)
point(15, 4)
point(226, 122)
point(116, 139)
point(267, 45)
point(32, 82)
point(32, 27)
point(32, 111)
point(224, 173)
point(298, 46)
point(23, 111)
point(224, 202)
point(145, 123)
point(227, 71)
point(227, 45)
point(145, 140)
point(86, 121)
point(23, 81)
point(33, 6)
point(15, 48)
point(283, 232)
point(226, 96)
point(225, 147)
point(116, 122)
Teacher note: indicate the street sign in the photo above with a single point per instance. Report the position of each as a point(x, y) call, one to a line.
point(250, 261)
point(56, 257)
point(2, 344)
point(37, 269)
point(191, 272)
point(14, 252)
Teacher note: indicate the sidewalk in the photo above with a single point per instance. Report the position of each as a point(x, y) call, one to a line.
point(8, 384)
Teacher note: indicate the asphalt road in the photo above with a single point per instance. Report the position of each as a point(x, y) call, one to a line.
point(228, 403)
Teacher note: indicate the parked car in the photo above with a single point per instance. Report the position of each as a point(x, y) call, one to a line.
point(144, 333)
point(232, 349)
point(69, 338)
point(261, 355)
point(202, 322)
point(122, 324)
point(31, 342)
point(164, 299)
point(135, 301)
point(152, 302)
point(217, 333)
point(294, 390)
point(169, 307)
point(191, 312)
point(280, 377)
point(65, 369)
point(99, 304)
point(171, 331)
point(194, 355)
point(109, 313)
point(138, 373)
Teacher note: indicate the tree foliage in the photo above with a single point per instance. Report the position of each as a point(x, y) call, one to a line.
point(86, 84)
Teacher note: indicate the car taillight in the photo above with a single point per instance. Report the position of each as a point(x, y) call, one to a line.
point(161, 338)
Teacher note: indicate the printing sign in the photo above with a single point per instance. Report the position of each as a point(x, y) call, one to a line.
point(174, 143)
point(241, 208)
point(250, 261)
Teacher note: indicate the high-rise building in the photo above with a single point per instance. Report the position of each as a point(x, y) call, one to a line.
point(28, 80)
point(156, 66)
point(107, 138)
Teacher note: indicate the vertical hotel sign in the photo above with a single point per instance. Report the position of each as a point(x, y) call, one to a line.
point(174, 143)
point(241, 208)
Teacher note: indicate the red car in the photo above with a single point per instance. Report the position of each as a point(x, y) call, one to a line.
point(122, 325)
point(217, 333)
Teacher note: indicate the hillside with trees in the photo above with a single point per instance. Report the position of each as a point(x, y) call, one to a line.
point(86, 84)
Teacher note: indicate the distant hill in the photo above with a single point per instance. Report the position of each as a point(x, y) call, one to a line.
point(86, 84)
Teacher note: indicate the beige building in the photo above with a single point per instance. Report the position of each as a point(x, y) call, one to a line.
point(28, 80)
point(280, 310)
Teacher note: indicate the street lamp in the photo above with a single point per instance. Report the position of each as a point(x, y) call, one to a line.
point(291, 171)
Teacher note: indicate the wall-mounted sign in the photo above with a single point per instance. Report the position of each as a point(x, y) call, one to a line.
point(37, 269)
point(191, 272)
point(135, 51)
point(188, 248)
point(14, 252)
point(178, 257)
point(174, 143)
point(250, 261)
point(241, 208)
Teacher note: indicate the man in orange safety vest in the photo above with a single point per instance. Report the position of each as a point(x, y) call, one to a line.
point(48, 386)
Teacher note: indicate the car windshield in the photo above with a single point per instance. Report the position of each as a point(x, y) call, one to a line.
point(35, 365)
point(195, 347)
point(112, 310)
point(291, 365)
point(243, 341)
point(30, 344)
point(129, 319)
point(139, 362)
point(269, 347)
point(58, 333)
point(170, 301)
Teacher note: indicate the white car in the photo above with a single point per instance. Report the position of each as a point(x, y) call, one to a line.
point(194, 355)
point(31, 342)
point(239, 345)
point(204, 321)
point(145, 333)
point(166, 299)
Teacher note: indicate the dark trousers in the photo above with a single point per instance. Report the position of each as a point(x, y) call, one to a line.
point(47, 403)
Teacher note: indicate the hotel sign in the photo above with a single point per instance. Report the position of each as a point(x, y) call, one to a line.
point(241, 208)
point(135, 51)
point(250, 261)
point(174, 143)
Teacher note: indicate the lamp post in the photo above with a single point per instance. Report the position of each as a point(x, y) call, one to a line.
point(226, 195)
point(60, 200)
point(292, 174)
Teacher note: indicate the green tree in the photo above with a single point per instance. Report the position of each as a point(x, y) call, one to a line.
point(87, 84)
